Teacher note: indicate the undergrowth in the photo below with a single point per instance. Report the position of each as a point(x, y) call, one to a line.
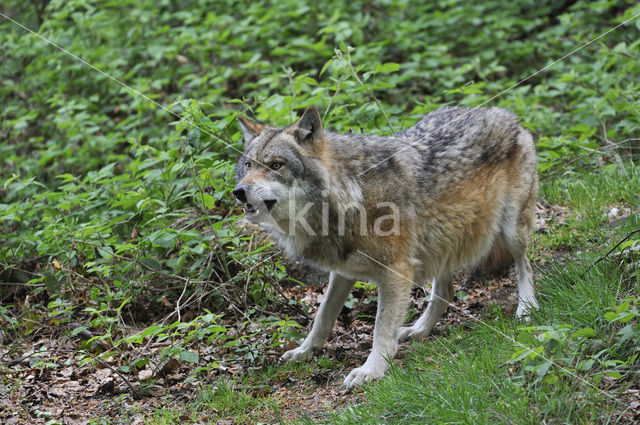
point(116, 217)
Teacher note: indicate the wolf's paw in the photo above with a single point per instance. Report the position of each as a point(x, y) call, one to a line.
point(409, 332)
point(359, 376)
point(297, 354)
point(405, 333)
point(524, 310)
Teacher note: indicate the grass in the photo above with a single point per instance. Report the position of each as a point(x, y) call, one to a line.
point(247, 399)
point(229, 399)
point(465, 378)
point(589, 197)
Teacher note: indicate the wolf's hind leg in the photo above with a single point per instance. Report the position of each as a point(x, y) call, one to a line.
point(516, 239)
point(337, 293)
point(441, 296)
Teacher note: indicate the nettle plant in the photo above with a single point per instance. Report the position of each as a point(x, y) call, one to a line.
point(547, 354)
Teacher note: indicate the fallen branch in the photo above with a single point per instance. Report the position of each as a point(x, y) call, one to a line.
point(610, 251)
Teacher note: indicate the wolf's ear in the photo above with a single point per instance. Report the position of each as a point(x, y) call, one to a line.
point(250, 129)
point(309, 128)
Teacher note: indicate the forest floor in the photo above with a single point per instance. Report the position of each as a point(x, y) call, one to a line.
point(46, 383)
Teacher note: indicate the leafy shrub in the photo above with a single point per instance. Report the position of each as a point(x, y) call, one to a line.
point(109, 203)
point(545, 354)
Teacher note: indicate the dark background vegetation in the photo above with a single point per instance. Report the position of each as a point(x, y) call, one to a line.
point(116, 219)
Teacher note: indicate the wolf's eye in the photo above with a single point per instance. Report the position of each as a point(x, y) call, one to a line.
point(247, 164)
point(275, 165)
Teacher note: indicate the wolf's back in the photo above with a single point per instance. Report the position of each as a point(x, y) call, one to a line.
point(453, 143)
point(450, 144)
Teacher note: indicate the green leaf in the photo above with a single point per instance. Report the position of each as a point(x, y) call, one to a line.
point(151, 263)
point(614, 374)
point(524, 338)
point(627, 244)
point(628, 332)
point(66, 177)
point(166, 240)
point(610, 316)
point(388, 67)
point(586, 365)
point(581, 128)
point(139, 362)
point(622, 307)
point(209, 201)
point(543, 368)
point(584, 333)
point(189, 356)
point(625, 317)
point(77, 330)
point(326, 65)
point(520, 355)
point(153, 329)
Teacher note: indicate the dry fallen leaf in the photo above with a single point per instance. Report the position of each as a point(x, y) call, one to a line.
point(165, 302)
point(168, 368)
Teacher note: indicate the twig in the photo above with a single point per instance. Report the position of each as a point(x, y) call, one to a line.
point(134, 391)
point(610, 251)
point(615, 154)
point(295, 306)
point(32, 285)
point(369, 92)
point(591, 152)
point(180, 299)
point(23, 357)
point(29, 260)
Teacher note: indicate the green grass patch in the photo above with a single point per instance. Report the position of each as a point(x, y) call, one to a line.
point(589, 198)
point(247, 399)
point(466, 378)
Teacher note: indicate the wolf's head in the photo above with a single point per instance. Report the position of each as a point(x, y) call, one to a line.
point(280, 172)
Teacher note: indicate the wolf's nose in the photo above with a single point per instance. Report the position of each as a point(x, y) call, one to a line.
point(240, 193)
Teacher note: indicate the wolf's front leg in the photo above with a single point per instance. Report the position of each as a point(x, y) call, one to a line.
point(334, 298)
point(393, 300)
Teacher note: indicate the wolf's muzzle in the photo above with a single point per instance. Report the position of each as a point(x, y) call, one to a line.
point(240, 192)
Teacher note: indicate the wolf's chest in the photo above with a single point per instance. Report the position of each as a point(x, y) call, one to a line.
point(328, 254)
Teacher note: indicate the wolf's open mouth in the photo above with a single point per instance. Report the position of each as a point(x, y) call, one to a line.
point(250, 209)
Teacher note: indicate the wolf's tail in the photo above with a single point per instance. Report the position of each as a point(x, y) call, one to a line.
point(496, 261)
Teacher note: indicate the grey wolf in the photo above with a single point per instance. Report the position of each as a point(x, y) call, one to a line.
point(442, 195)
